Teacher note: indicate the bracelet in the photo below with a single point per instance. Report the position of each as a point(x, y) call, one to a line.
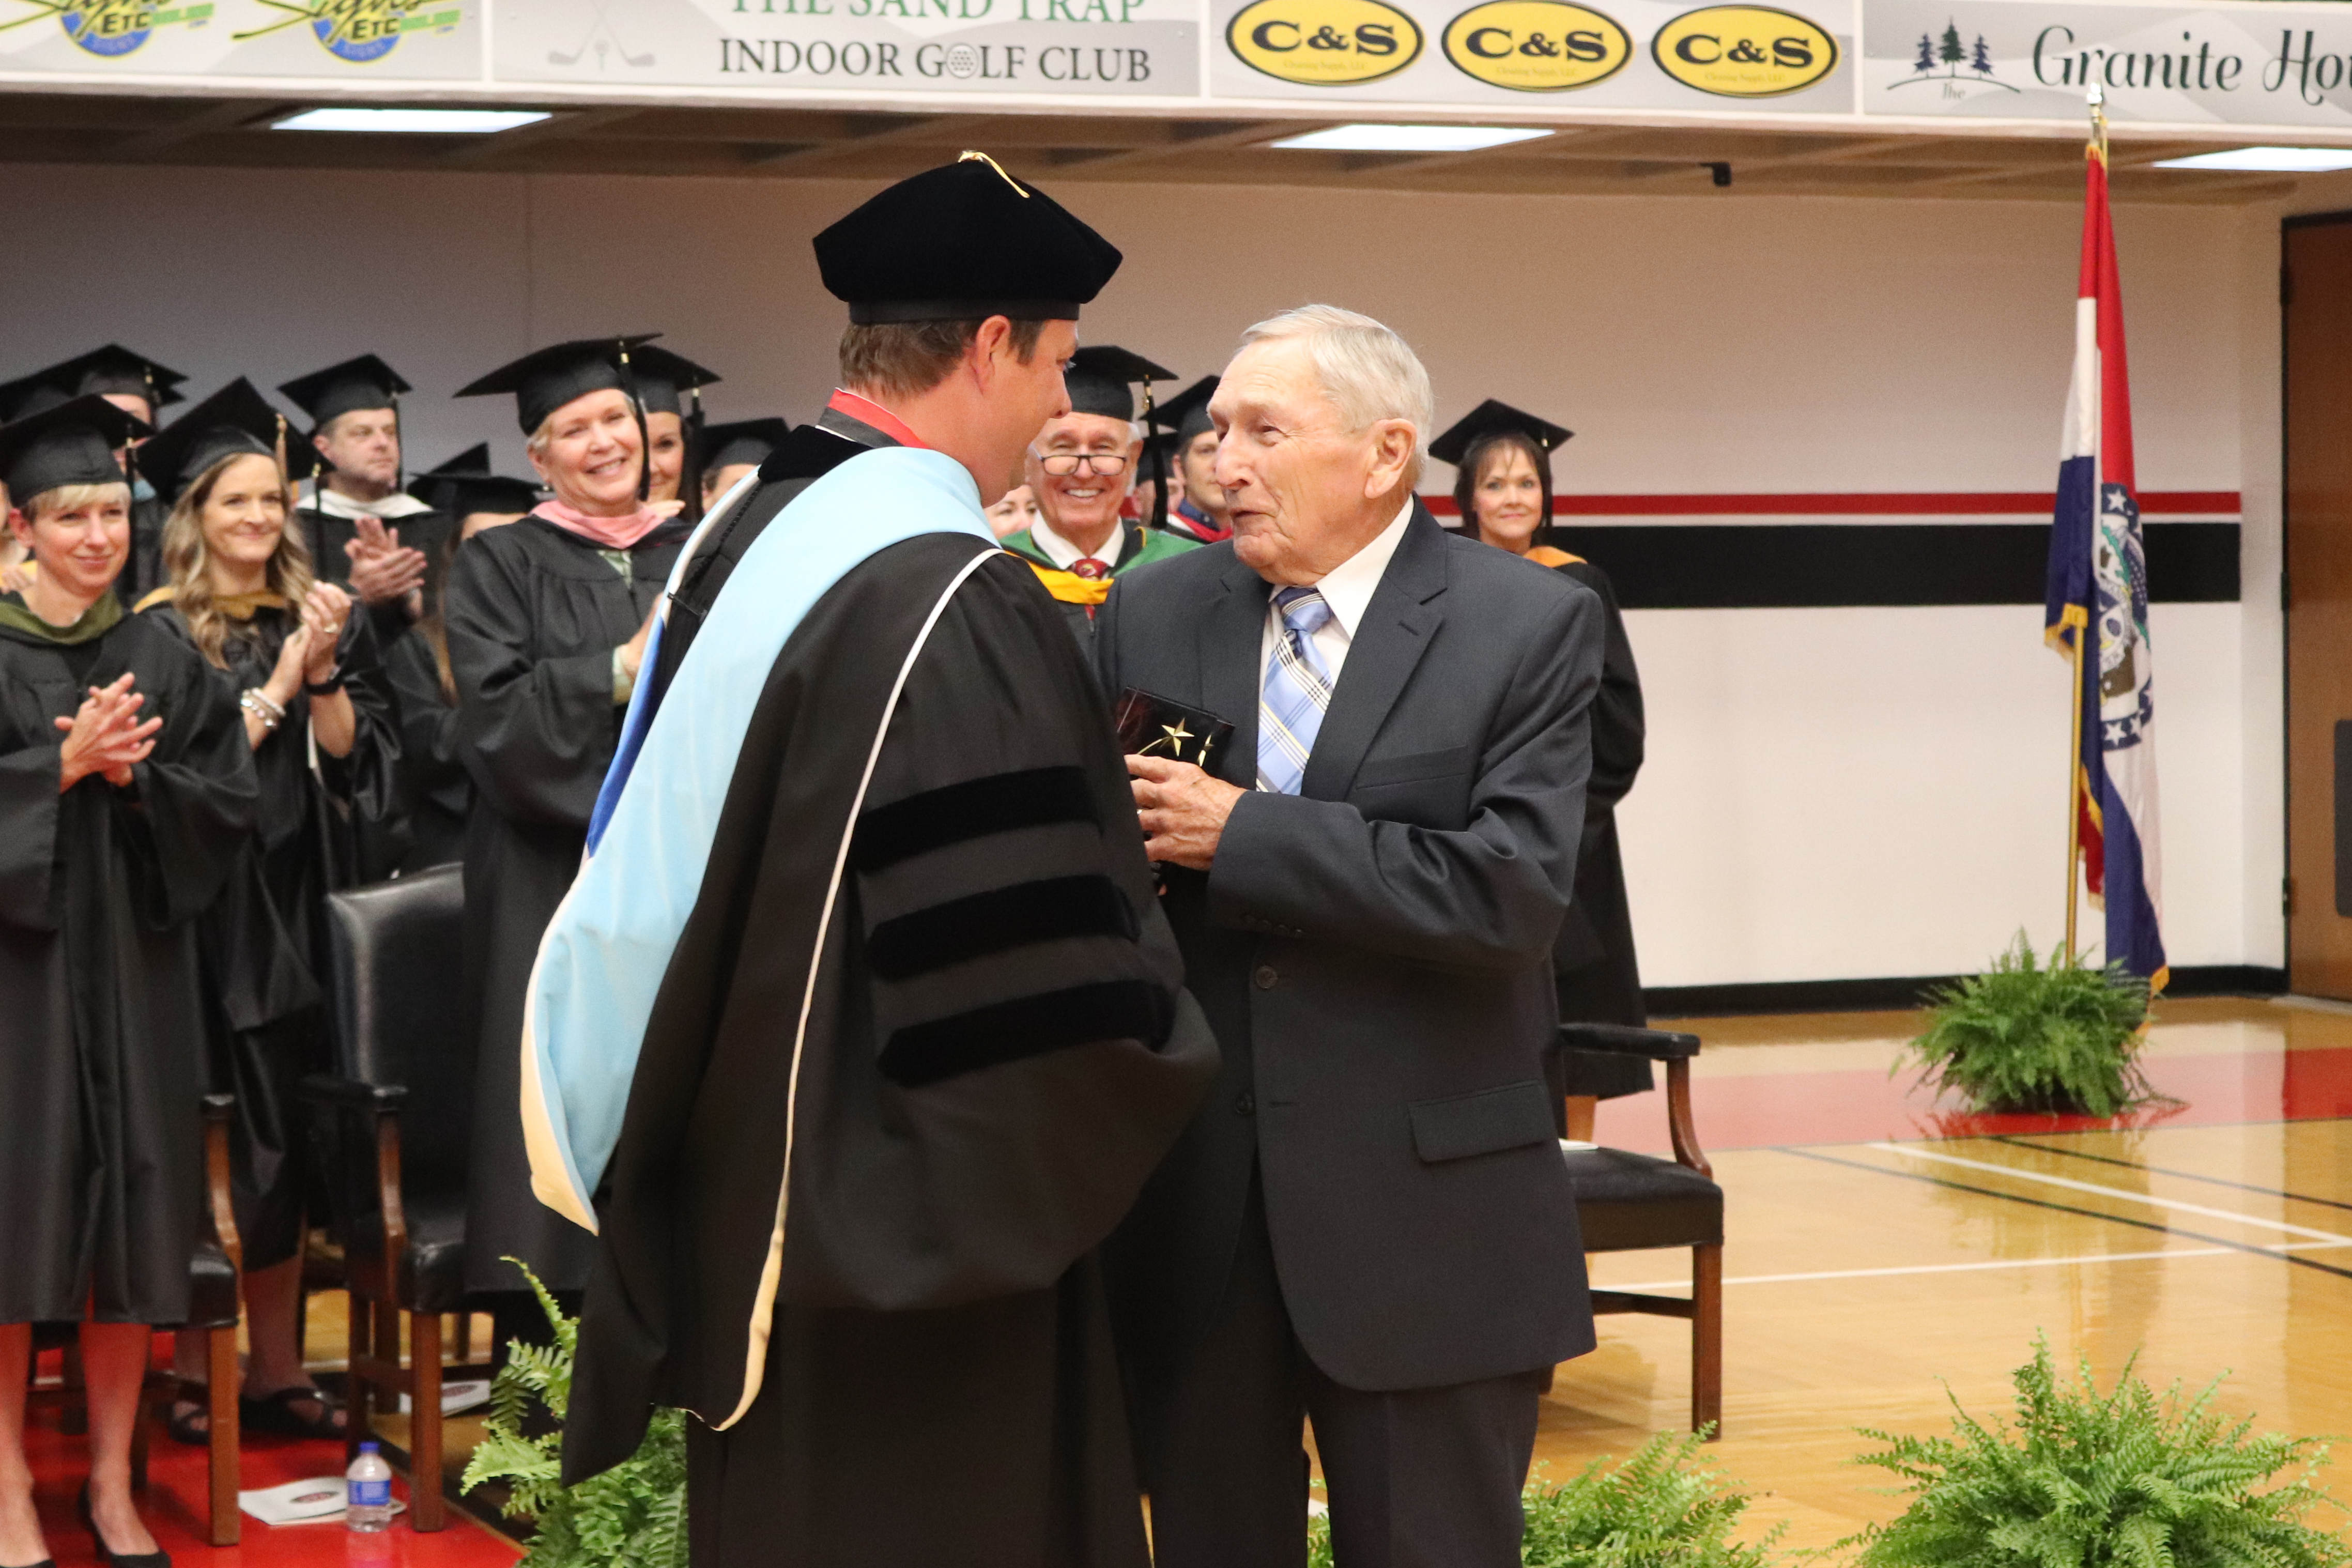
point(258, 702)
point(327, 688)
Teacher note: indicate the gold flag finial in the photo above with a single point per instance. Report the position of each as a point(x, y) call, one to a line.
point(969, 154)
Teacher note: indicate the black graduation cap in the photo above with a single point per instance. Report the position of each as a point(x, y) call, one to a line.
point(1487, 418)
point(662, 376)
point(961, 241)
point(72, 443)
point(235, 421)
point(750, 441)
point(467, 483)
point(111, 369)
point(544, 380)
point(1186, 414)
point(362, 383)
point(1098, 379)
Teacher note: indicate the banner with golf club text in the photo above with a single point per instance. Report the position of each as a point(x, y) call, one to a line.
point(2250, 63)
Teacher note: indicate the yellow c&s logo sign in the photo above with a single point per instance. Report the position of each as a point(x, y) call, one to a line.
point(1744, 51)
point(1536, 46)
point(1324, 42)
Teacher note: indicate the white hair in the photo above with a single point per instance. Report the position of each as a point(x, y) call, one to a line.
point(1365, 369)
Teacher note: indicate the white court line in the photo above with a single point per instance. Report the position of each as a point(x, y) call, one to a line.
point(1935, 1268)
point(2070, 1184)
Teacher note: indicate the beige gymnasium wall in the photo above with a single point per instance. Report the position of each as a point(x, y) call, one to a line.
point(1832, 793)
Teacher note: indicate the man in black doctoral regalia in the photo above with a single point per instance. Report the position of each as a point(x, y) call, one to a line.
point(139, 387)
point(365, 531)
point(861, 1027)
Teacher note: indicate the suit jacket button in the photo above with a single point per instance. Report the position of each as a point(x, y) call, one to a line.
point(1264, 977)
point(1245, 1104)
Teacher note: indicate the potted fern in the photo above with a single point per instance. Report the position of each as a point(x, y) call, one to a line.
point(2090, 1479)
point(632, 1516)
point(1662, 1508)
point(2029, 1036)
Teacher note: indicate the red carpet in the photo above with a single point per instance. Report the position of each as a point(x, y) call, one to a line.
point(174, 1508)
point(1767, 1109)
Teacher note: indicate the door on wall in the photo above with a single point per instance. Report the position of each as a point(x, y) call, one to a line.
point(2317, 295)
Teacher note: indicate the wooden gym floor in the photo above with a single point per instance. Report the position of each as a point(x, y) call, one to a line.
point(1880, 1249)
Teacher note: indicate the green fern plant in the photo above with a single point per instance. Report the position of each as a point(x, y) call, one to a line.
point(2027, 1036)
point(2086, 1480)
point(1662, 1508)
point(632, 1516)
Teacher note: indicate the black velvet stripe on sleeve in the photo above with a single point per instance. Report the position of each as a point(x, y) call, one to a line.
point(997, 921)
point(1033, 798)
point(948, 1048)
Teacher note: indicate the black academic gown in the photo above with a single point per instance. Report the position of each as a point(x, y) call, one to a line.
point(100, 1125)
point(264, 941)
point(533, 613)
point(1594, 966)
point(142, 569)
point(998, 1054)
point(435, 791)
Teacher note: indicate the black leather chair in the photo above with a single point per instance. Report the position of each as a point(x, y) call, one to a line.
point(1629, 1203)
point(215, 1296)
point(400, 1117)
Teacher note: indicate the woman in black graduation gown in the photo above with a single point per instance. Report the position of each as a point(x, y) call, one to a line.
point(126, 793)
point(436, 792)
point(319, 720)
point(1503, 487)
point(547, 621)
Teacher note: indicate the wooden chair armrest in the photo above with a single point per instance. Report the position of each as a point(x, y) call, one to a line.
point(1679, 1125)
point(217, 1108)
point(381, 1104)
point(1621, 1039)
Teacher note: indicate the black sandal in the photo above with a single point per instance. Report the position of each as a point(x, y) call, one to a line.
point(181, 1423)
point(274, 1413)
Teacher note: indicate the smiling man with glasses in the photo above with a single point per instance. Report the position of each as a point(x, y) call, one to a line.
point(1081, 467)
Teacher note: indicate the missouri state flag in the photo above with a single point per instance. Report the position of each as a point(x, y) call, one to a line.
point(2097, 595)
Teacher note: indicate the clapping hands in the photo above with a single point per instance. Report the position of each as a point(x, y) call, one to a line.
point(105, 736)
point(384, 569)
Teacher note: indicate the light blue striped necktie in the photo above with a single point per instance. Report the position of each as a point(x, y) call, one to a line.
point(1297, 691)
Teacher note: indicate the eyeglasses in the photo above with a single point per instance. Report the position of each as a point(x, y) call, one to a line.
point(1061, 465)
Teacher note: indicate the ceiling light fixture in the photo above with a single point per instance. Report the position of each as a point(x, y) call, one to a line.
point(412, 122)
point(2268, 160)
point(1409, 138)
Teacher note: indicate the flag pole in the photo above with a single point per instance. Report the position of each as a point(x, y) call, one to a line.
point(2096, 99)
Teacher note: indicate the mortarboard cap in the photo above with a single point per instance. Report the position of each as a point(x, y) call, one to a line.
point(662, 376)
point(235, 421)
point(466, 484)
point(1098, 379)
point(544, 380)
point(111, 369)
point(1186, 414)
point(72, 443)
point(750, 441)
point(1488, 418)
point(362, 383)
point(963, 241)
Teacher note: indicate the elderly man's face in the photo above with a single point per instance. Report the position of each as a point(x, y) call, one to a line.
point(1306, 492)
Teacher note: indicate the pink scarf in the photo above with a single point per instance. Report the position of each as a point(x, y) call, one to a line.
point(611, 532)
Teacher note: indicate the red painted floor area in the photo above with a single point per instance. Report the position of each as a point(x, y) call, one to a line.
point(1747, 1111)
point(174, 1508)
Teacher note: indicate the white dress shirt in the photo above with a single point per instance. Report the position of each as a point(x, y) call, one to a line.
point(1064, 553)
point(1348, 588)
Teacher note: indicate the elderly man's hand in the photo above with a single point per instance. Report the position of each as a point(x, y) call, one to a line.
point(1183, 809)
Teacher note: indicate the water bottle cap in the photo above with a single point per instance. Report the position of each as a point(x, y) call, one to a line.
point(367, 1447)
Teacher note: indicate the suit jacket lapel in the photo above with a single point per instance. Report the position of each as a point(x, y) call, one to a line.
point(1230, 634)
point(1397, 629)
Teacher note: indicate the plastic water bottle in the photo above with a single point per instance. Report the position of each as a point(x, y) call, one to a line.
point(367, 1492)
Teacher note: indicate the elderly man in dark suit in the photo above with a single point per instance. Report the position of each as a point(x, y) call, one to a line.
point(1367, 1225)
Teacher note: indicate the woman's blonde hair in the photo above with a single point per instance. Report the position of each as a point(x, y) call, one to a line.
point(187, 559)
point(66, 498)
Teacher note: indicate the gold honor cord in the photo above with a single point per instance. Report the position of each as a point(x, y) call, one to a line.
point(969, 155)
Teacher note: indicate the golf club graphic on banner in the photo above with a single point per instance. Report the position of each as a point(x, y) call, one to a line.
point(1093, 48)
